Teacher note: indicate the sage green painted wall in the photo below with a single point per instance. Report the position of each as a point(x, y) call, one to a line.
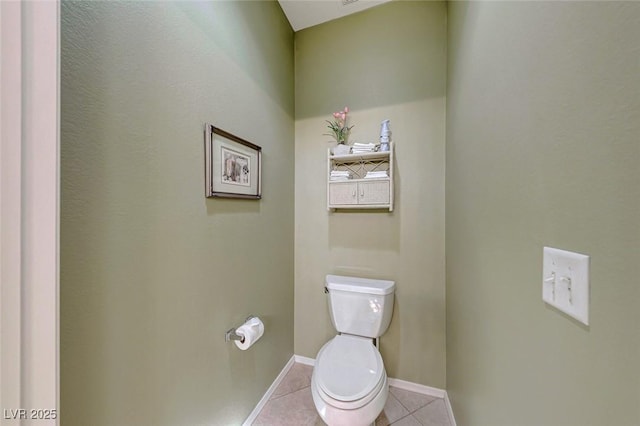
point(543, 118)
point(152, 273)
point(386, 62)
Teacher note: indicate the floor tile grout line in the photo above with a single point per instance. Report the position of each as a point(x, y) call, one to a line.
point(428, 403)
point(288, 393)
point(404, 417)
point(422, 406)
point(406, 408)
point(283, 381)
point(410, 413)
point(400, 402)
point(274, 399)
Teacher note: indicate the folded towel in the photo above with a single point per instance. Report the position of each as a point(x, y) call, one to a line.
point(340, 175)
point(363, 145)
point(376, 174)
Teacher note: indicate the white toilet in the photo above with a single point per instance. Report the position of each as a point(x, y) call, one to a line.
point(349, 384)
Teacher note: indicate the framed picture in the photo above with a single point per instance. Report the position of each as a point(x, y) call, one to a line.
point(233, 166)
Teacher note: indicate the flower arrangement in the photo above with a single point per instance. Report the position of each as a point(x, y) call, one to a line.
point(338, 126)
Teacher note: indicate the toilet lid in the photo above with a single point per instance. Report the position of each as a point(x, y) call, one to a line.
point(349, 367)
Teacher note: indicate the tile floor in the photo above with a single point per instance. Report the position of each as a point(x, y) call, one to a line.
point(291, 405)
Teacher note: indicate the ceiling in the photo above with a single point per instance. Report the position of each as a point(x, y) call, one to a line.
point(307, 13)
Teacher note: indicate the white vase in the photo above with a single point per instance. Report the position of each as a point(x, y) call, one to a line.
point(341, 149)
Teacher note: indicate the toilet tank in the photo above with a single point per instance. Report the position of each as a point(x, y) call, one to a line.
point(360, 306)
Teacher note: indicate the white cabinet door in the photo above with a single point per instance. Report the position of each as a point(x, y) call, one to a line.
point(374, 192)
point(343, 193)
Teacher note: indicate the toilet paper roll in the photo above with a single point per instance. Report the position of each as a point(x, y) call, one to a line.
point(252, 331)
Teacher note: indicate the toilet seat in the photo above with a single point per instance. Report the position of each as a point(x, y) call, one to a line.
point(349, 371)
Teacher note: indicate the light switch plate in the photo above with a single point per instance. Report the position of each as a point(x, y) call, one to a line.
point(565, 282)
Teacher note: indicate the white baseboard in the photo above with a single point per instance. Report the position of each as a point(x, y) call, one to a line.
point(417, 388)
point(450, 410)
point(425, 390)
point(265, 398)
point(401, 384)
point(305, 360)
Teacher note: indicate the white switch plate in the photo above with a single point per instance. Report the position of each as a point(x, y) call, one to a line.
point(565, 282)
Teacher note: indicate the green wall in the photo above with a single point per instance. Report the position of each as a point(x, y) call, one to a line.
point(152, 273)
point(543, 118)
point(388, 62)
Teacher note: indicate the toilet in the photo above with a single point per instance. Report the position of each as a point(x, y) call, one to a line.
point(349, 384)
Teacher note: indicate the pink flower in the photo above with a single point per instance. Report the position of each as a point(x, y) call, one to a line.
point(339, 129)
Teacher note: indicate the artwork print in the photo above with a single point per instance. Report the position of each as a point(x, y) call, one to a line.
point(236, 168)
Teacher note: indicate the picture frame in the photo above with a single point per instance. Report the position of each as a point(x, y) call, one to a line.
point(233, 166)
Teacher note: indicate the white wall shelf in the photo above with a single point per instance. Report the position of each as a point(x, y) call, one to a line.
point(359, 192)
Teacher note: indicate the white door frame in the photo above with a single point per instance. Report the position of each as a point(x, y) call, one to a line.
point(29, 209)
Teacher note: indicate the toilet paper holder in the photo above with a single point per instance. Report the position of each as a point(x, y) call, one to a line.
point(231, 334)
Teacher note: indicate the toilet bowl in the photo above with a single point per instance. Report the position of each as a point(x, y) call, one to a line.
point(349, 384)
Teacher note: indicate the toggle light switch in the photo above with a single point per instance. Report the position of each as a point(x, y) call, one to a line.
point(565, 282)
